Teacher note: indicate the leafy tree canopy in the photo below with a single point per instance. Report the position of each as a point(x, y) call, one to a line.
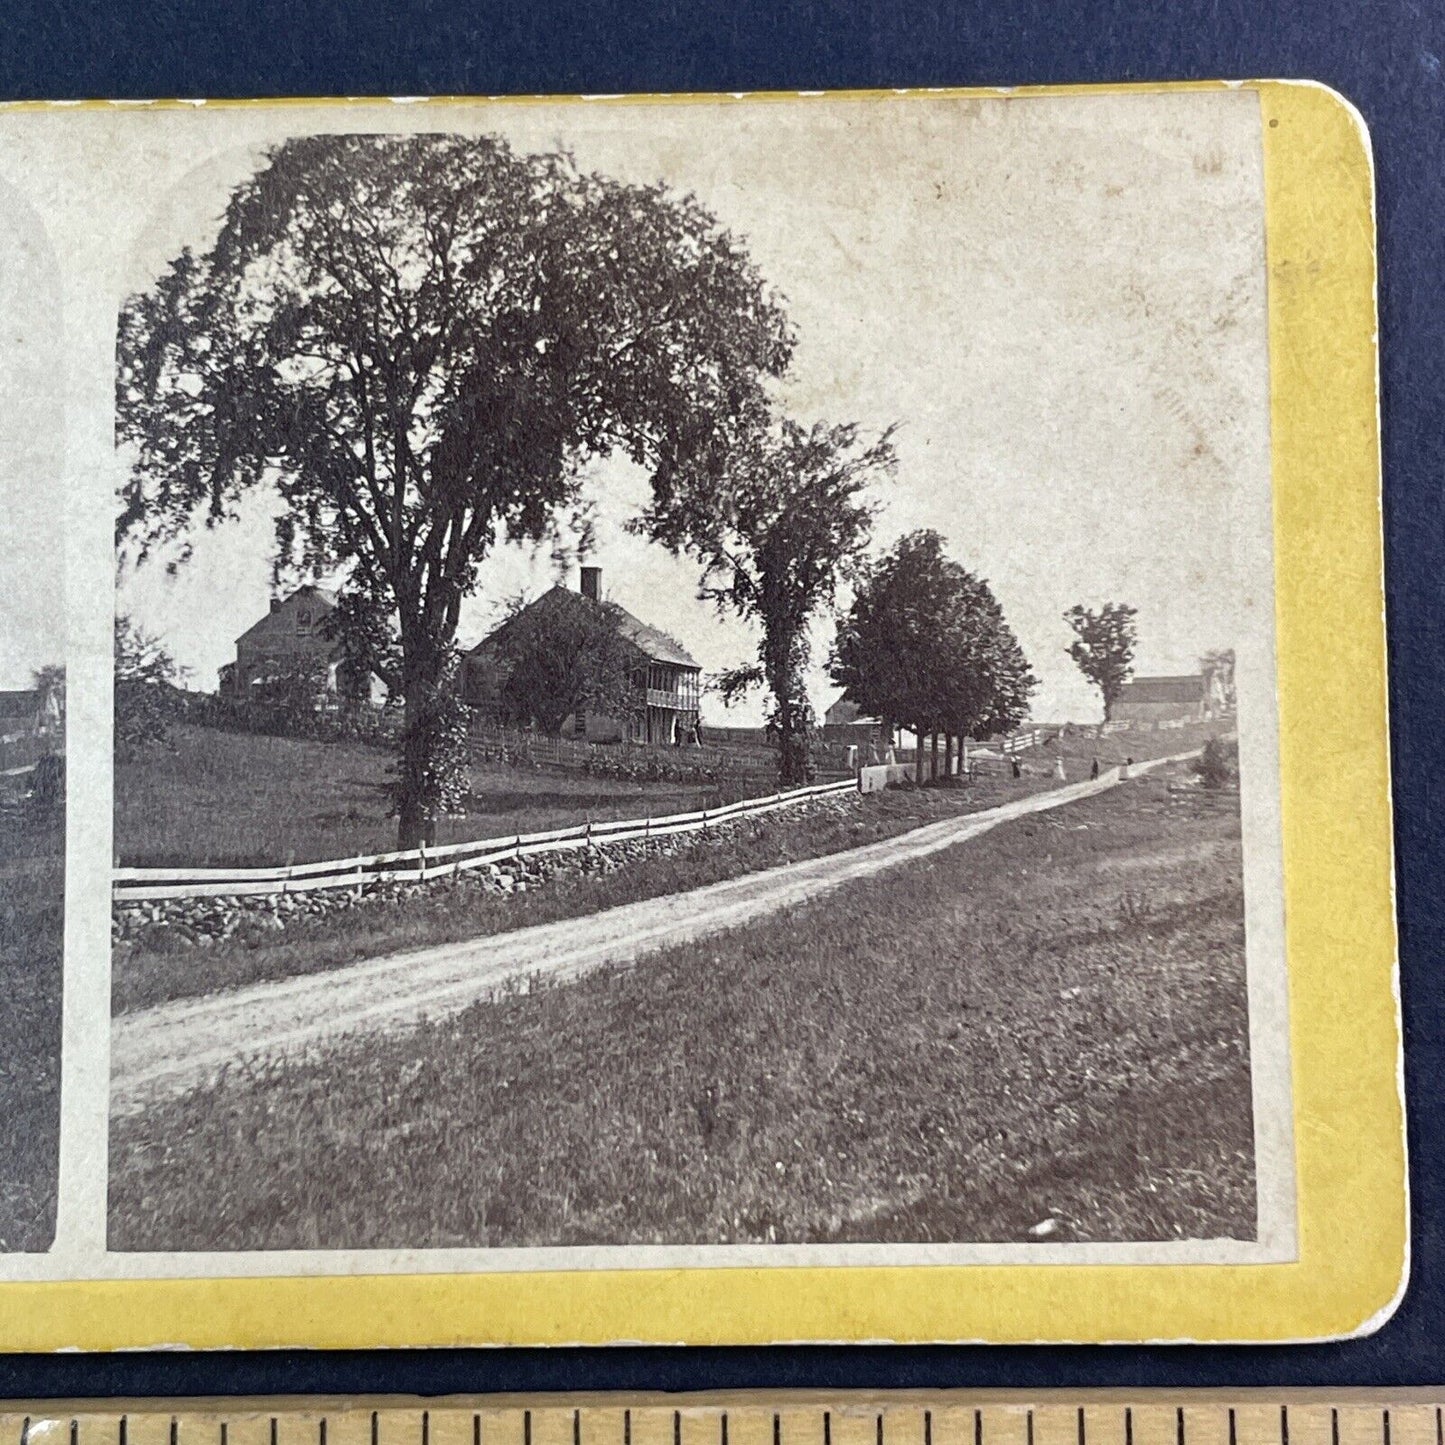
point(417, 341)
point(925, 644)
point(562, 654)
point(1103, 647)
point(788, 524)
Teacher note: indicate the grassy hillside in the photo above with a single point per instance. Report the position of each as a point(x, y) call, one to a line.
point(224, 798)
point(32, 930)
point(1046, 1024)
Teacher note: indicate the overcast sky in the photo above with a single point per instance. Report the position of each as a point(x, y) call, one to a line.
point(1060, 302)
point(32, 613)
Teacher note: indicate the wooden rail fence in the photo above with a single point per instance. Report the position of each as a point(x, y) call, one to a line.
point(421, 865)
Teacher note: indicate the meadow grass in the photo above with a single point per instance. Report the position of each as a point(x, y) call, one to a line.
point(32, 926)
point(1046, 1026)
point(217, 799)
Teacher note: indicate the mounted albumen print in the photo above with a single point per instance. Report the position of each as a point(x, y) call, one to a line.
point(690, 689)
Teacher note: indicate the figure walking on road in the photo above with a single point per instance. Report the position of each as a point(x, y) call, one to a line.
point(1094, 771)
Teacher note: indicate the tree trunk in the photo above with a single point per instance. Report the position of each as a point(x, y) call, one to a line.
point(918, 754)
point(417, 767)
point(792, 745)
point(781, 673)
point(948, 755)
point(933, 760)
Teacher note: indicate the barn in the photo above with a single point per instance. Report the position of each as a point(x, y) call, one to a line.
point(1162, 699)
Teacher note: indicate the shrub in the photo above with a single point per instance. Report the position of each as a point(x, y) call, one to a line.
point(1218, 765)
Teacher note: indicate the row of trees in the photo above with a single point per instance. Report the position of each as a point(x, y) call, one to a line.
point(925, 646)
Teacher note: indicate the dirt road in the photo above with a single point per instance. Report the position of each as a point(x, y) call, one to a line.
point(174, 1047)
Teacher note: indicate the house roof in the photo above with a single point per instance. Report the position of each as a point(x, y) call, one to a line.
point(265, 622)
point(1189, 688)
point(845, 711)
point(653, 643)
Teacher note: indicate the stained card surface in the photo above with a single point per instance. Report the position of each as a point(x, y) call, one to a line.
point(712, 719)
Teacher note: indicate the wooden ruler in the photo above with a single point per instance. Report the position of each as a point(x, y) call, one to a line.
point(1300, 1417)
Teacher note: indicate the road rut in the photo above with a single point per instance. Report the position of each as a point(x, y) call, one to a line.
point(174, 1047)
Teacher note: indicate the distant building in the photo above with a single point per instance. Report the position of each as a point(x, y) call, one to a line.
point(294, 641)
point(32, 722)
point(20, 713)
point(666, 678)
point(844, 712)
point(845, 724)
point(1165, 699)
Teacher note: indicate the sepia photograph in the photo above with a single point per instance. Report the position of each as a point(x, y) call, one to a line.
point(688, 678)
point(32, 730)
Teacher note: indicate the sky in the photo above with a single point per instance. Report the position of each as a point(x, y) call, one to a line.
point(32, 615)
point(1060, 303)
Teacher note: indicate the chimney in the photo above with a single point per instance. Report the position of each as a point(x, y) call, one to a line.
point(592, 583)
point(275, 604)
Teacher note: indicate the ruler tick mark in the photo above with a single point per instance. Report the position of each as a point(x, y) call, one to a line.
point(1128, 1426)
point(1284, 1425)
point(1083, 1436)
point(576, 1427)
point(1179, 1425)
point(1386, 1422)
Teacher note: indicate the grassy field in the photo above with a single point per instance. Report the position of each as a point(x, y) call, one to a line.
point(160, 972)
point(32, 922)
point(1045, 1024)
point(220, 798)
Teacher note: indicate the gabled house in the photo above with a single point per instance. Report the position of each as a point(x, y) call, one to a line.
point(292, 645)
point(1164, 699)
point(666, 678)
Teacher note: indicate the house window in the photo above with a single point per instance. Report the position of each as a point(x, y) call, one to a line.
point(303, 621)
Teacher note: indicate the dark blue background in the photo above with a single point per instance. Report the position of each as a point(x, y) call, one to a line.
point(1386, 56)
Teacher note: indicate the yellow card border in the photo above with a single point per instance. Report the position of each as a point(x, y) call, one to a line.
point(1345, 1030)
